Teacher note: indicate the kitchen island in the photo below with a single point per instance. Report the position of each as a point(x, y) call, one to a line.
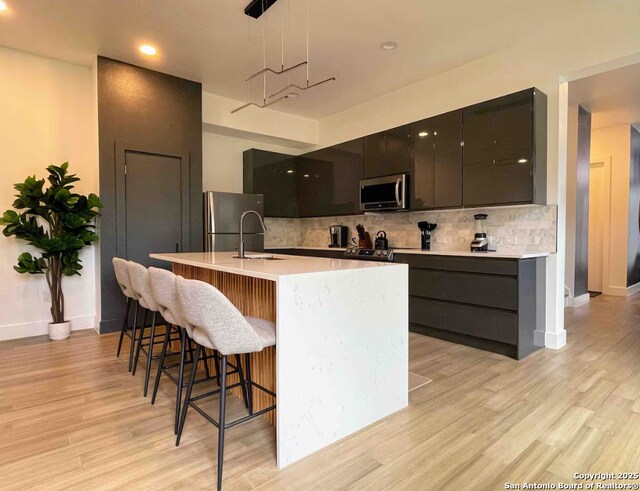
point(341, 359)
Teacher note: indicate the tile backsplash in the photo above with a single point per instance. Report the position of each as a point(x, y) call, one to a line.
point(513, 229)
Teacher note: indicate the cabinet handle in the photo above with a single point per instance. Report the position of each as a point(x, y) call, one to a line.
point(398, 191)
point(177, 247)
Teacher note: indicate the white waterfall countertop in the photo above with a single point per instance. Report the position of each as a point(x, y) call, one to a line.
point(268, 269)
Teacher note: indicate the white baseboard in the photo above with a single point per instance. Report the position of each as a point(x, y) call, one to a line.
point(38, 328)
point(621, 291)
point(578, 301)
point(555, 340)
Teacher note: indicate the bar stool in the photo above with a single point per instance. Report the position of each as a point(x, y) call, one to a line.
point(218, 324)
point(165, 294)
point(121, 269)
point(141, 284)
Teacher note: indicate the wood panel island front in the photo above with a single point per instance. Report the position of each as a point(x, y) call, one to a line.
point(341, 357)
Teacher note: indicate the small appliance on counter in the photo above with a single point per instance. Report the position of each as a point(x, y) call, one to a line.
point(382, 243)
point(480, 242)
point(425, 234)
point(339, 236)
point(364, 239)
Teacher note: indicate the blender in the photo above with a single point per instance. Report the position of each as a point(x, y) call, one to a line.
point(425, 234)
point(480, 242)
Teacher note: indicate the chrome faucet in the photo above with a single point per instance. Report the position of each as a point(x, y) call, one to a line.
point(241, 238)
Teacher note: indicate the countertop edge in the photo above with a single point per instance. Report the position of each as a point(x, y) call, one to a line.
point(495, 255)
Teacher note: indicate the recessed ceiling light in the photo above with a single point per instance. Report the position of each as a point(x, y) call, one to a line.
point(147, 49)
point(389, 45)
point(306, 175)
point(522, 161)
point(3, 6)
point(292, 95)
point(422, 134)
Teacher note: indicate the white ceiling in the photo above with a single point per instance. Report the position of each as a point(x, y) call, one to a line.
point(213, 42)
point(612, 97)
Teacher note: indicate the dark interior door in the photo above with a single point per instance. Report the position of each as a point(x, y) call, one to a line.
point(154, 205)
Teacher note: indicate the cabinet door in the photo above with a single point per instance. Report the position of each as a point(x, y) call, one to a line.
point(447, 130)
point(274, 176)
point(478, 155)
point(347, 173)
point(315, 183)
point(387, 153)
point(514, 148)
point(423, 178)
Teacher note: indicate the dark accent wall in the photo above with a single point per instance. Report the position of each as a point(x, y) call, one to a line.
point(633, 251)
point(582, 202)
point(150, 110)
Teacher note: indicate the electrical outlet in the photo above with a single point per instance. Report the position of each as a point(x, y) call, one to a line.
point(46, 295)
point(441, 239)
point(512, 240)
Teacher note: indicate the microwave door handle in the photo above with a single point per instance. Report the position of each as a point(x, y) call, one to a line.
point(398, 191)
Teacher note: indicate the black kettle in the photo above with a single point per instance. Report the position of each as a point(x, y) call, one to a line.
point(381, 241)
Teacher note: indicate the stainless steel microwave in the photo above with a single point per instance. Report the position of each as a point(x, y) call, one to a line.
point(384, 193)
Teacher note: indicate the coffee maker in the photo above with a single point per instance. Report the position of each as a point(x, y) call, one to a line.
point(338, 235)
point(480, 242)
point(425, 231)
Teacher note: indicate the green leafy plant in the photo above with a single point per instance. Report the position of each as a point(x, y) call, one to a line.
point(57, 221)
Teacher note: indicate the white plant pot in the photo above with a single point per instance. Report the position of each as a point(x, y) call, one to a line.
point(59, 331)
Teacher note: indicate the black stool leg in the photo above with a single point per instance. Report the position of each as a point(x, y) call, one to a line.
point(183, 349)
point(243, 384)
point(123, 329)
point(187, 399)
point(216, 364)
point(156, 384)
point(133, 337)
point(150, 353)
point(139, 347)
point(223, 403)
point(247, 363)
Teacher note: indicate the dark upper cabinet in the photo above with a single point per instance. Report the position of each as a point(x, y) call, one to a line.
point(504, 156)
point(315, 182)
point(387, 153)
point(273, 175)
point(328, 180)
point(436, 162)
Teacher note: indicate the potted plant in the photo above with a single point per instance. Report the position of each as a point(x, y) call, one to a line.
point(59, 223)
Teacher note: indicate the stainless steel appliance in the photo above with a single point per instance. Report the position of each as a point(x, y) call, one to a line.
point(425, 234)
point(222, 212)
point(480, 242)
point(339, 236)
point(369, 254)
point(385, 193)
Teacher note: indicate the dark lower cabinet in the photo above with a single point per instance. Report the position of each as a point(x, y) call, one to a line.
point(387, 153)
point(487, 303)
point(504, 156)
point(436, 162)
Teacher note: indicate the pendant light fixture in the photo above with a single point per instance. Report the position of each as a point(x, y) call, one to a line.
point(257, 10)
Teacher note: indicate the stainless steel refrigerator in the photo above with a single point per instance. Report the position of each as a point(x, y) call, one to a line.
point(222, 221)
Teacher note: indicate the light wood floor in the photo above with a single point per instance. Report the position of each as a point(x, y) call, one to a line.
point(71, 417)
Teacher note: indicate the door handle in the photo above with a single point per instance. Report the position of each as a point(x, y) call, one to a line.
point(398, 191)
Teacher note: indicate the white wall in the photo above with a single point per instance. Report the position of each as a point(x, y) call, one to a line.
point(222, 159)
point(46, 117)
point(616, 143)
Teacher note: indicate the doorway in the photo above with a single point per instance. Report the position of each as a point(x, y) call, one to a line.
point(599, 198)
